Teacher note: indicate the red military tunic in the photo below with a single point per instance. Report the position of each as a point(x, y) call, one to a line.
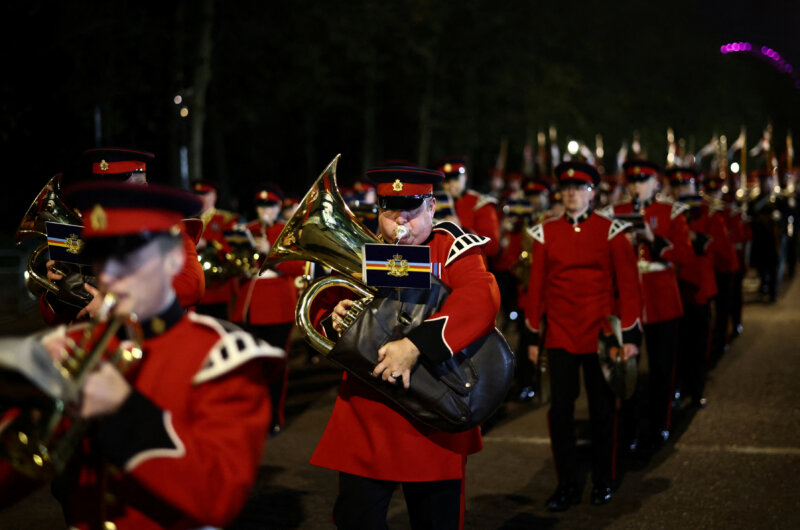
point(661, 297)
point(699, 274)
point(269, 299)
point(574, 273)
point(477, 213)
point(186, 444)
point(722, 246)
point(367, 437)
point(740, 234)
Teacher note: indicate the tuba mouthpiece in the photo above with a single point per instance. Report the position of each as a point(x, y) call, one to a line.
point(399, 233)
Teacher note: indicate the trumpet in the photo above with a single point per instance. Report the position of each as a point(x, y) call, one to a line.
point(41, 438)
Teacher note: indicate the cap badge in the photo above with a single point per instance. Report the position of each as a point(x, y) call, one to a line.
point(103, 165)
point(448, 168)
point(637, 170)
point(397, 186)
point(570, 172)
point(398, 267)
point(97, 218)
point(74, 244)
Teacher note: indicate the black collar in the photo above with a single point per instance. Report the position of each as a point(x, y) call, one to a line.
point(160, 323)
point(581, 218)
point(643, 204)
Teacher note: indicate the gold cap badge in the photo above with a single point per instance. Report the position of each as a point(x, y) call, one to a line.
point(98, 218)
point(397, 186)
point(103, 165)
point(448, 168)
point(570, 172)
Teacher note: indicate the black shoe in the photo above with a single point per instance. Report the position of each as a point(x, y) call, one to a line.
point(563, 498)
point(601, 495)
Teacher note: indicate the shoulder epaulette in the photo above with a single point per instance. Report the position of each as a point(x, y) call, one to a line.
point(537, 233)
point(483, 200)
point(677, 209)
point(451, 228)
point(463, 240)
point(607, 211)
point(617, 227)
point(234, 348)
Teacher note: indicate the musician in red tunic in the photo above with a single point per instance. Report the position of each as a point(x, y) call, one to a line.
point(372, 445)
point(265, 303)
point(176, 441)
point(583, 269)
point(123, 165)
point(726, 263)
point(662, 245)
point(708, 234)
point(475, 211)
point(213, 247)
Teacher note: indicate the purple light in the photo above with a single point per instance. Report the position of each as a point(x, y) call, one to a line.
point(764, 50)
point(788, 68)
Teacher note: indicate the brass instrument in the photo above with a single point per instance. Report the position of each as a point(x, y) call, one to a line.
point(324, 230)
point(49, 206)
point(452, 396)
point(41, 439)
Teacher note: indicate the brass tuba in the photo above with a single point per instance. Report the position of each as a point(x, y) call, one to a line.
point(49, 206)
point(41, 438)
point(452, 396)
point(324, 230)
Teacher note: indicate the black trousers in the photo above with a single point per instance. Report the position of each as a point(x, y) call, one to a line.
point(363, 502)
point(662, 342)
point(736, 298)
point(693, 347)
point(723, 304)
point(565, 388)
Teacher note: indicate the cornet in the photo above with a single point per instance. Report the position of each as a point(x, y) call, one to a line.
point(46, 429)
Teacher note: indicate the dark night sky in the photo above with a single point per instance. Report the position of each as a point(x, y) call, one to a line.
point(295, 83)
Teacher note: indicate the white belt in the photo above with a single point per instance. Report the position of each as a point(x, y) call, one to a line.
point(652, 266)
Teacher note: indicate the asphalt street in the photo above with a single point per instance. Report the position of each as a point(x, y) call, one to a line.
point(734, 464)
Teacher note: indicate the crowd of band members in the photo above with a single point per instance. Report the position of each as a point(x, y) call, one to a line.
point(681, 242)
point(693, 239)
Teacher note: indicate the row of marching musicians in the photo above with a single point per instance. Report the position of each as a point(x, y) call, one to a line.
point(231, 252)
point(661, 259)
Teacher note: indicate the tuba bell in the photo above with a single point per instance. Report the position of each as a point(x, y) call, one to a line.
point(44, 429)
point(48, 206)
point(452, 396)
point(324, 230)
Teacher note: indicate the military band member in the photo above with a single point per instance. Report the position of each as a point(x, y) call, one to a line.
point(213, 245)
point(372, 445)
point(662, 245)
point(698, 284)
point(578, 262)
point(476, 212)
point(741, 234)
point(726, 263)
point(768, 246)
point(265, 304)
point(175, 441)
point(122, 165)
